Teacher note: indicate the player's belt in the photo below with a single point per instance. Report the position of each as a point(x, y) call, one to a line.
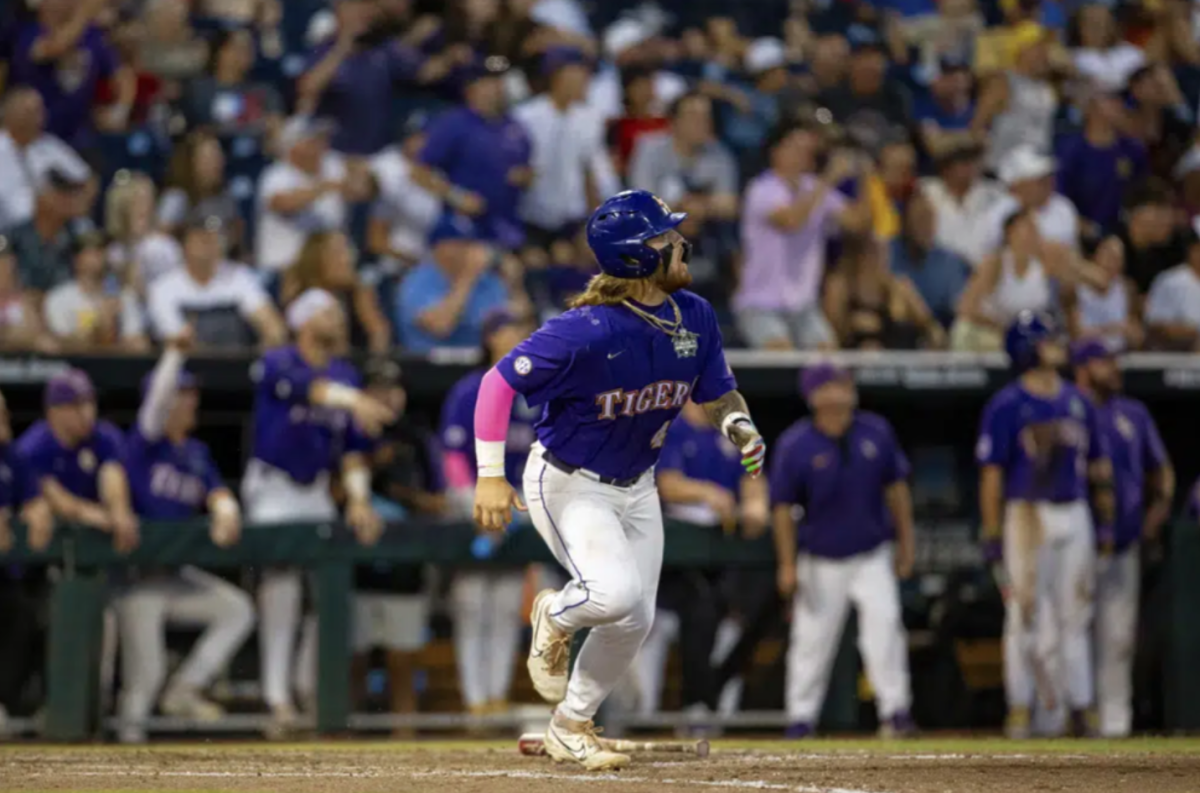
point(567, 468)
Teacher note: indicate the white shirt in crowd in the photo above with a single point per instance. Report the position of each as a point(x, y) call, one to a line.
point(409, 209)
point(71, 311)
point(1175, 297)
point(280, 237)
point(148, 259)
point(1109, 69)
point(962, 226)
point(568, 146)
point(1057, 221)
point(1016, 293)
point(219, 311)
point(23, 171)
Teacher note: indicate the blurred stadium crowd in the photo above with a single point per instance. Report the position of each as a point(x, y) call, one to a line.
point(904, 174)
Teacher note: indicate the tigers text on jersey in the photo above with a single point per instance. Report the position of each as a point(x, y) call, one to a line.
point(76, 469)
point(458, 427)
point(292, 435)
point(168, 481)
point(612, 383)
point(1043, 445)
point(1136, 449)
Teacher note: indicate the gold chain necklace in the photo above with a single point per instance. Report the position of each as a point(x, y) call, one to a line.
point(667, 326)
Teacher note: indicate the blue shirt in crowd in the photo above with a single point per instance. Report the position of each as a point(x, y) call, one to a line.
point(939, 275)
point(426, 285)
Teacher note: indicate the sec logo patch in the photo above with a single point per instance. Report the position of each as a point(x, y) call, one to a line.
point(523, 365)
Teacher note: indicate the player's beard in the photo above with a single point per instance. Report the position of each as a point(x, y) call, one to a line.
point(675, 275)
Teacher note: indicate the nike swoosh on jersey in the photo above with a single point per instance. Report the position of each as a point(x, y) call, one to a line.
point(612, 355)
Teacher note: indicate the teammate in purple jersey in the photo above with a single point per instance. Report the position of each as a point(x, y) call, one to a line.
point(18, 495)
point(842, 514)
point(76, 461)
point(172, 477)
point(1040, 450)
point(611, 373)
point(310, 418)
point(487, 602)
point(1144, 486)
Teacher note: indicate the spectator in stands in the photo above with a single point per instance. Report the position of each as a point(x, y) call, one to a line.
point(1016, 279)
point(221, 300)
point(391, 602)
point(1173, 305)
point(870, 308)
point(827, 66)
point(1017, 106)
point(688, 167)
point(746, 128)
point(945, 113)
point(442, 301)
point(327, 261)
point(643, 114)
point(1110, 313)
point(572, 170)
point(634, 44)
point(891, 186)
point(20, 325)
point(84, 315)
point(963, 203)
point(1029, 176)
point(138, 252)
point(938, 274)
point(350, 78)
point(305, 192)
point(1098, 165)
point(28, 153)
point(1160, 116)
point(789, 215)
point(225, 102)
point(1152, 242)
point(64, 56)
point(476, 157)
point(404, 212)
point(196, 184)
point(41, 244)
point(1099, 54)
point(168, 46)
point(869, 105)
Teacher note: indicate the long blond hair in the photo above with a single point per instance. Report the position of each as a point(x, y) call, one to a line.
point(603, 290)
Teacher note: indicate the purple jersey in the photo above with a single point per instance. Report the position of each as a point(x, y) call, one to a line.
point(702, 453)
point(76, 469)
point(1136, 449)
point(840, 483)
point(292, 435)
point(1043, 445)
point(168, 481)
point(458, 427)
point(612, 383)
point(13, 487)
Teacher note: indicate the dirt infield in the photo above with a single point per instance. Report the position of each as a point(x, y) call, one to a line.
point(1158, 766)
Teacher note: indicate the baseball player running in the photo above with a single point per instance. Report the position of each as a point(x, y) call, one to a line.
point(487, 602)
point(1140, 467)
point(844, 475)
point(310, 417)
point(612, 373)
point(172, 477)
point(1040, 447)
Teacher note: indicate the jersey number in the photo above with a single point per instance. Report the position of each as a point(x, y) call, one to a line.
point(660, 437)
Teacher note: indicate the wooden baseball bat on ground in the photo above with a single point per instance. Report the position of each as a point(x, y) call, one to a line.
point(532, 744)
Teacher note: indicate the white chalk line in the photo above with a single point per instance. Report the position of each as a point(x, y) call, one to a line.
point(740, 784)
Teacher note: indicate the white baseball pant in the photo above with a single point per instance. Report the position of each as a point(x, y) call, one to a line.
point(1118, 584)
point(191, 598)
point(487, 629)
point(610, 540)
point(1049, 557)
point(271, 496)
point(826, 589)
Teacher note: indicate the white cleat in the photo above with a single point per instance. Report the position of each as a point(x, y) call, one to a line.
point(577, 743)
point(283, 724)
point(188, 703)
point(549, 651)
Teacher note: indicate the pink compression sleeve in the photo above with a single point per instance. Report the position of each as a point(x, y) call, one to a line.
point(493, 407)
point(458, 470)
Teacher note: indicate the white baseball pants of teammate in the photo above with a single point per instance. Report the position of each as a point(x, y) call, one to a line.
point(610, 540)
point(1118, 584)
point(487, 630)
point(192, 598)
point(826, 588)
point(271, 496)
point(1049, 556)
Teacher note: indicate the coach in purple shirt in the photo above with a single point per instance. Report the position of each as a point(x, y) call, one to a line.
point(476, 157)
point(840, 497)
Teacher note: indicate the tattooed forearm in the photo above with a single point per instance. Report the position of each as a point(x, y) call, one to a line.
point(731, 402)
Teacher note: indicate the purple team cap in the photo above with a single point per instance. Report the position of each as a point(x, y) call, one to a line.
point(821, 374)
point(310, 303)
point(1086, 350)
point(70, 387)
